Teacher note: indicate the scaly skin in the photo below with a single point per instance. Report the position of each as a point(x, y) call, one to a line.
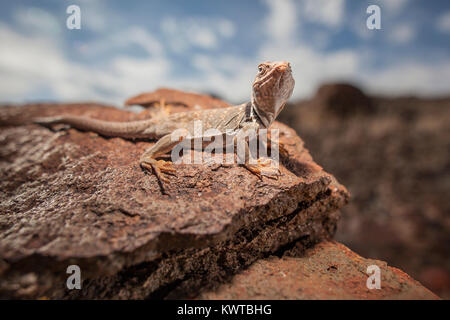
point(272, 87)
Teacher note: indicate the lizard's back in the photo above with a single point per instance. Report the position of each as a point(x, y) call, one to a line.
point(221, 119)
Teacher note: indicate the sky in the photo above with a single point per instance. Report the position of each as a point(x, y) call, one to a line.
point(127, 47)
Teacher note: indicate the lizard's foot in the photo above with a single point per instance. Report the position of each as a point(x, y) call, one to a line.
point(161, 111)
point(159, 167)
point(264, 167)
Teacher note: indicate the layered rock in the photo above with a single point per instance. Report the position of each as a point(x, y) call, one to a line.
point(76, 198)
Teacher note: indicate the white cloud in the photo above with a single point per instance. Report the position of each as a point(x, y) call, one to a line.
point(393, 7)
point(204, 33)
point(443, 22)
point(312, 67)
point(227, 75)
point(124, 39)
point(97, 17)
point(226, 28)
point(139, 74)
point(36, 20)
point(329, 13)
point(390, 12)
point(281, 21)
point(231, 76)
point(24, 60)
point(402, 34)
point(32, 63)
point(201, 37)
point(409, 77)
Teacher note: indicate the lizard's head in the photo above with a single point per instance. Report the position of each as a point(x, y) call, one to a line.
point(272, 87)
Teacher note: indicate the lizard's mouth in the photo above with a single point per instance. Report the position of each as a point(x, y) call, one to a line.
point(283, 67)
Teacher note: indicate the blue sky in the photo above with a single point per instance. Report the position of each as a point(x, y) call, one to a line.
point(127, 47)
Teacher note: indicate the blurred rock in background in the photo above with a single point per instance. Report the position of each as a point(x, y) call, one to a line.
point(393, 154)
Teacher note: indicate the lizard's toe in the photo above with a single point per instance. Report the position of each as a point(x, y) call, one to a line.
point(264, 162)
point(256, 170)
point(264, 167)
point(160, 168)
point(165, 166)
point(146, 166)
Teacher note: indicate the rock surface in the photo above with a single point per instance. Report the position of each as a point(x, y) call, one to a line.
point(71, 197)
point(329, 270)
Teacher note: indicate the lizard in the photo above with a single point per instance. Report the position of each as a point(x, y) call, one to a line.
point(272, 87)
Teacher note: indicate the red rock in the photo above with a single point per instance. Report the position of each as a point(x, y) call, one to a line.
point(327, 271)
point(342, 99)
point(176, 97)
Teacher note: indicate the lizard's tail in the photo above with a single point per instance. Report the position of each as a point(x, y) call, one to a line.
point(133, 129)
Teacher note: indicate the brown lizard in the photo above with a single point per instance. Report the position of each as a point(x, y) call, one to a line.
point(272, 87)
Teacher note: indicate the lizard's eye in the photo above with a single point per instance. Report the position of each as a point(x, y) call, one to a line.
point(260, 68)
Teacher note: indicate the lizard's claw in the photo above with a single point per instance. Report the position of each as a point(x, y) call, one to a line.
point(264, 167)
point(160, 168)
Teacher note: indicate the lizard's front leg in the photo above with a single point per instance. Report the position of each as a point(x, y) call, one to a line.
point(160, 167)
point(259, 167)
point(282, 150)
